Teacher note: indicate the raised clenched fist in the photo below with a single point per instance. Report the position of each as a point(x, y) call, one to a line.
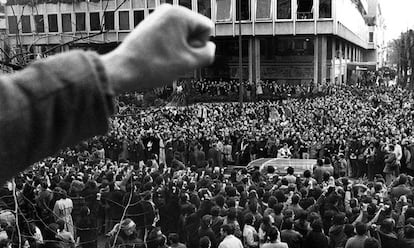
point(171, 41)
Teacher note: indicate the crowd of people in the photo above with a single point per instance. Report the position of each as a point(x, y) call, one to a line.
point(228, 90)
point(158, 178)
point(220, 90)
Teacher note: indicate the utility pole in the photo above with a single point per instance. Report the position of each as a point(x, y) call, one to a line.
point(240, 56)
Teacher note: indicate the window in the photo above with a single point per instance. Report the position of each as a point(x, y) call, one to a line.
point(283, 47)
point(39, 23)
point(138, 4)
point(94, 22)
point(150, 5)
point(138, 16)
point(123, 20)
point(52, 19)
point(325, 8)
point(263, 9)
point(12, 20)
point(109, 20)
point(305, 9)
point(371, 37)
point(185, 3)
point(26, 28)
point(223, 10)
point(166, 1)
point(269, 47)
point(298, 44)
point(230, 49)
point(295, 47)
point(284, 10)
point(66, 23)
point(80, 22)
point(245, 9)
point(204, 7)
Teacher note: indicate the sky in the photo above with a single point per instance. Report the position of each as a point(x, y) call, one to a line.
point(398, 15)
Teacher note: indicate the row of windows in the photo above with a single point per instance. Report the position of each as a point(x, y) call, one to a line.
point(269, 48)
point(96, 22)
point(305, 9)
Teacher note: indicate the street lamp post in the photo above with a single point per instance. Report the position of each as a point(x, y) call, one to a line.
point(240, 56)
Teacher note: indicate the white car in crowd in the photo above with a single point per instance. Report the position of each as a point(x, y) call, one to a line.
point(281, 164)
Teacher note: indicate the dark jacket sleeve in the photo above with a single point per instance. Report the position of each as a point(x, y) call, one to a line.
point(52, 104)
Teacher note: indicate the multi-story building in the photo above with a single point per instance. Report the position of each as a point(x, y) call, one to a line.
point(376, 39)
point(284, 40)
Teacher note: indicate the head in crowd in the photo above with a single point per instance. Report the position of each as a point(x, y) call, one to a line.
point(226, 230)
point(361, 228)
point(205, 242)
point(273, 234)
point(128, 226)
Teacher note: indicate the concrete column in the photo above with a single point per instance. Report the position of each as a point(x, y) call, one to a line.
point(346, 54)
point(316, 63)
point(333, 60)
point(322, 52)
point(346, 63)
point(257, 58)
point(357, 55)
point(254, 59)
point(341, 58)
point(251, 60)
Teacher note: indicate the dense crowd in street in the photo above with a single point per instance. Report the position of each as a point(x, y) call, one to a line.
point(157, 179)
point(262, 90)
point(204, 90)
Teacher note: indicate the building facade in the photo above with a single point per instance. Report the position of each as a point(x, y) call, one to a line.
point(290, 41)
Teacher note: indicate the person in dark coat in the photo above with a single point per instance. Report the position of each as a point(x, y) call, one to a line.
point(87, 229)
point(408, 240)
point(390, 167)
point(387, 235)
point(199, 156)
point(206, 230)
point(215, 155)
point(316, 238)
point(336, 232)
